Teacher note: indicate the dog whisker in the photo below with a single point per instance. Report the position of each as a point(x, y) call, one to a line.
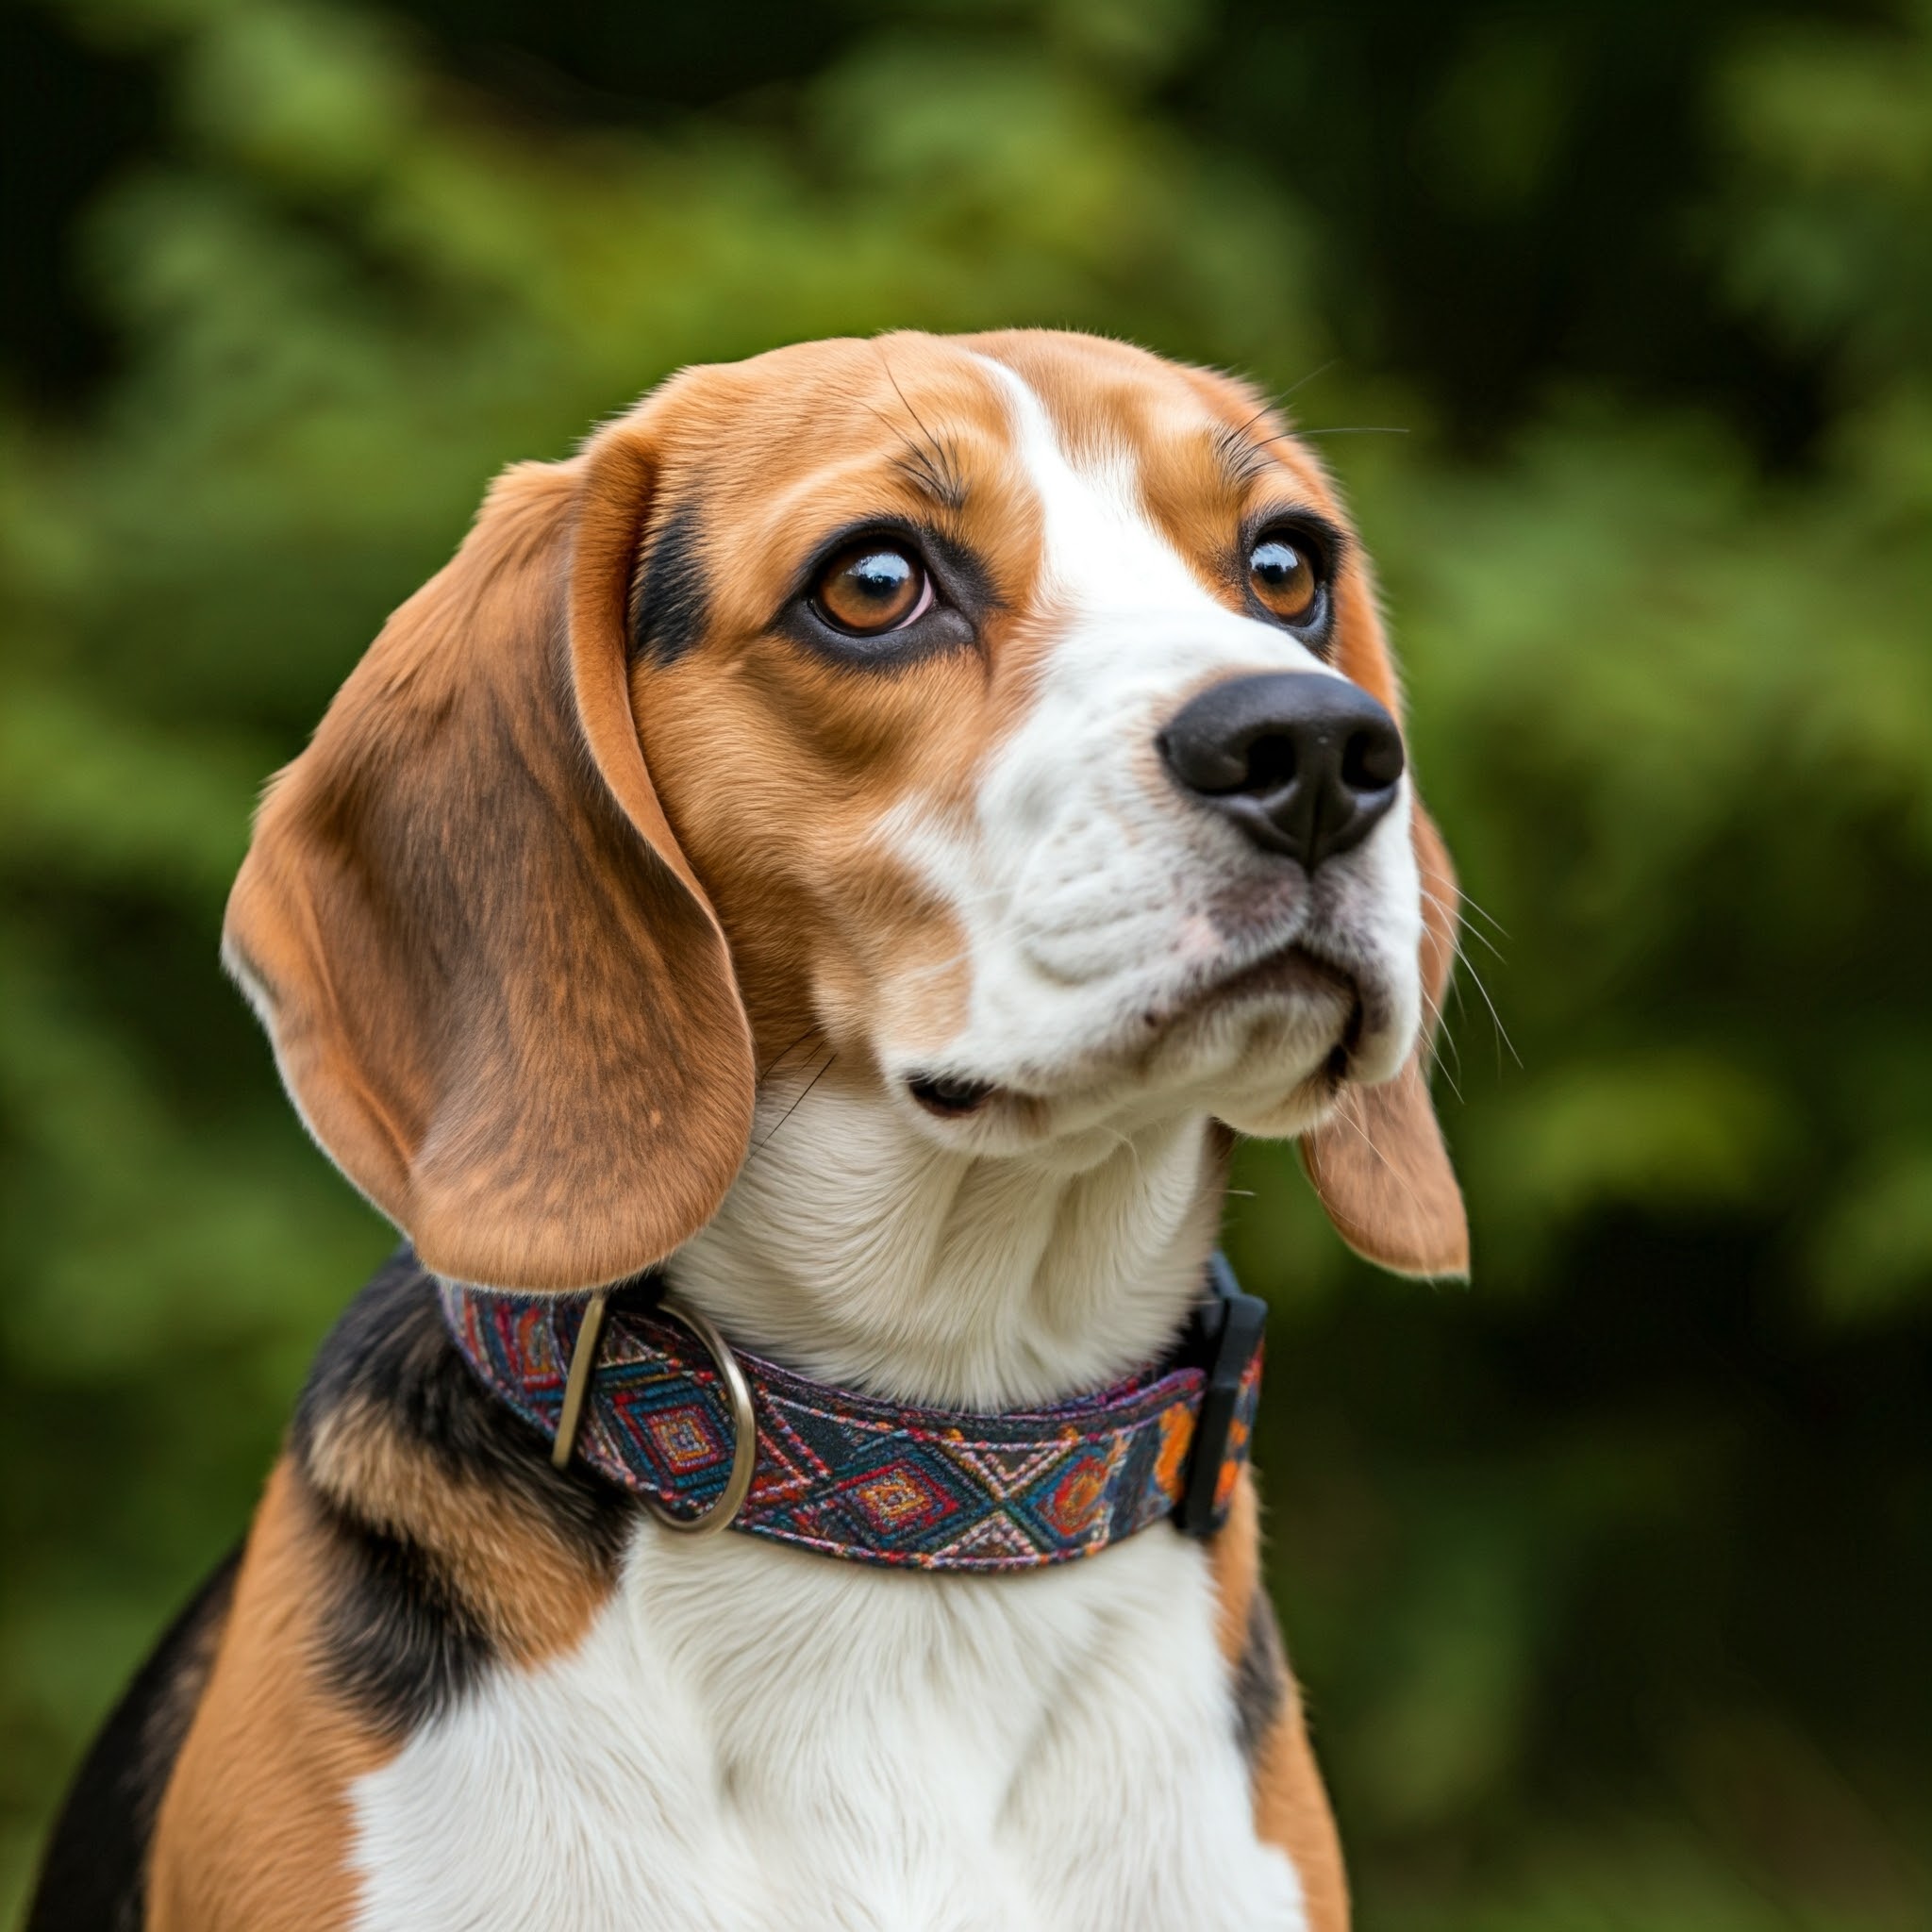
point(781, 1058)
point(831, 1056)
point(1442, 1038)
point(1501, 1031)
point(1464, 928)
point(1351, 429)
point(1464, 901)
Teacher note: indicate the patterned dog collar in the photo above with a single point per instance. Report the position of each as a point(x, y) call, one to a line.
point(878, 1482)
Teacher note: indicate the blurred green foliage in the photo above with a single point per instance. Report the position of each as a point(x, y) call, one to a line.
point(1610, 1575)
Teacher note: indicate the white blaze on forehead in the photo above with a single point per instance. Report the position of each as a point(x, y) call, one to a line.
point(1099, 547)
point(1136, 620)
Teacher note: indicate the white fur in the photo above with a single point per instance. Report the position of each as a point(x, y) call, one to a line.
point(757, 1737)
point(754, 1737)
point(854, 1248)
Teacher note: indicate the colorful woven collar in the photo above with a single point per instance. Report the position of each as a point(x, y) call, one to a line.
point(655, 1410)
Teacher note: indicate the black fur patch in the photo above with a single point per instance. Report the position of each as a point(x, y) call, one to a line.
point(673, 607)
point(1261, 1678)
point(94, 1874)
point(400, 1640)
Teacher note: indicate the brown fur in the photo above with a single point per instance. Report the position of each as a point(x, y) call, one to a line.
point(529, 1587)
point(1291, 1807)
point(253, 1834)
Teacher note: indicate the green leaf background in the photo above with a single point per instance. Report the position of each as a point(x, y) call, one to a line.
point(1610, 1575)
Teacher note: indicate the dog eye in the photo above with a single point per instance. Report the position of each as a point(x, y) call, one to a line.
point(873, 586)
point(1282, 574)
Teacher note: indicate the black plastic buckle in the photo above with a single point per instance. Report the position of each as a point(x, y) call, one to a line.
point(1225, 1335)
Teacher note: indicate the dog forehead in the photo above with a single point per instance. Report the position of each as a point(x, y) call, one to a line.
point(799, 411)
point(810, 413)
point(1104, 397)
point(1195, 440)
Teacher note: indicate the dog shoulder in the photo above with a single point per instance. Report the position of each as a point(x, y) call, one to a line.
point(410, 1540)
point(453, 1543)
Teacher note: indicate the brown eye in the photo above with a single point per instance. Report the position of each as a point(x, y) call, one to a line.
point(1282, 575)
point(871, 588)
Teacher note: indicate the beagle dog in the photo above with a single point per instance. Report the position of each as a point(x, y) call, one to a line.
point(789, 922)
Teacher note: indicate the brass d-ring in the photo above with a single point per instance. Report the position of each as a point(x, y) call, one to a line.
point(744, 1425)
point(576, 1387)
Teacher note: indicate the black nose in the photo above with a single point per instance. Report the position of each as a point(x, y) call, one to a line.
point(1303, 763)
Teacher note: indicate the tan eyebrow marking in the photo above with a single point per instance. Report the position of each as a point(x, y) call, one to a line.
point(933, 468)
point(929, 464)
point(1243, 459)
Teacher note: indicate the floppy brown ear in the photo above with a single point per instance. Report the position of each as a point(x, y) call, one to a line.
point(1378, 1163)
point(498, 995)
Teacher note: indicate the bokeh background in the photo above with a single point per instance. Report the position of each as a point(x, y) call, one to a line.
point(1610, 1575)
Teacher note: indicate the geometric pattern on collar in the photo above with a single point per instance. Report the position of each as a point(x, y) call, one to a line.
point(851, 1476)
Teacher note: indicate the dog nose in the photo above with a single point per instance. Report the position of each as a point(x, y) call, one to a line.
point(1303, 763)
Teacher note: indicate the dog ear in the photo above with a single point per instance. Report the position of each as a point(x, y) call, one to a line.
point(1378, 1163)
point(498, 995)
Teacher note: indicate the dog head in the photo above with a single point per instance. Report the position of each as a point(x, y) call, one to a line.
point(1012, 711)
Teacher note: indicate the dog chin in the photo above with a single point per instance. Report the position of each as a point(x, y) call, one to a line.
point(1286, 1078)
point(1283, 1117)
point(1297, 1057)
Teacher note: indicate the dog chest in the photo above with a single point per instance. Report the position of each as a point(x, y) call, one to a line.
point(750, 1737)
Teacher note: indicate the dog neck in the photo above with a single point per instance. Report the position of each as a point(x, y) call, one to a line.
point(854, 1251)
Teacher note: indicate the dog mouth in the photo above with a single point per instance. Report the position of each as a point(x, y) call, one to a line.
point(1291, 971)
point(949, 1098)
